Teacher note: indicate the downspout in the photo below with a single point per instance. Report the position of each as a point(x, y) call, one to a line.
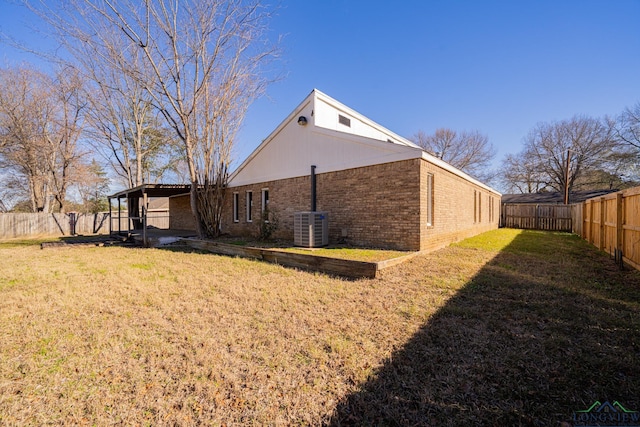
point(313, 188)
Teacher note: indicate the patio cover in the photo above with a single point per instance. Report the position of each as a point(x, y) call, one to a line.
point(144, 191)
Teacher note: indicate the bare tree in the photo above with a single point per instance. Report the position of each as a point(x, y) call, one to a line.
point(581, 143)
point(520, 174)
point(93, 187)
point(470, 152)
point(26, 114)
point(40, 126)
point(124, 124)
point(628, 127)
point(67, 94)
point(206, 60)
point(565, 155)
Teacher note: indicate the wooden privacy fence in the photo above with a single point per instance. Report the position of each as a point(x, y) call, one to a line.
point(551, 217)
point(612, 223)
point(158, 220)
point(14, 225)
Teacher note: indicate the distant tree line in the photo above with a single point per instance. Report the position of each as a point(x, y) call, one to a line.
point(151, 89)
point(581, 153)
point(42, 157)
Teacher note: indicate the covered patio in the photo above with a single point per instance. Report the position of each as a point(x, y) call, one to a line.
point(138, 223)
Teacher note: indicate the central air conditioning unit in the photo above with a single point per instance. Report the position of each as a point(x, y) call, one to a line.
point(310, 229)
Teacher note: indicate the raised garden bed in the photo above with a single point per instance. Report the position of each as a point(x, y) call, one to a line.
point(315, 260)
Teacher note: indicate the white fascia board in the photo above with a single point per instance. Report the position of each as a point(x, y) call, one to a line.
point(446, 166)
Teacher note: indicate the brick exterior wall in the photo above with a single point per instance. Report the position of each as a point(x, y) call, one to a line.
point(382, 205)
point(455, 214)
point(180, 216)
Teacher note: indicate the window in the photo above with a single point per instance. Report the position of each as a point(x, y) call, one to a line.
point(479, 207)
point(249, 205)
point(265, 199)
point(490, 209)
point(475, 206)
point(344, 120)
point(265, 203)
point(430, 200)
point(236, 203)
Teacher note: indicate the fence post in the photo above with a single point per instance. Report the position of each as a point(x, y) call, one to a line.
point(602, 218)
point(144, 220)
point(591, 223)
point(584, 220)
point(119, 211)
point(619, 224)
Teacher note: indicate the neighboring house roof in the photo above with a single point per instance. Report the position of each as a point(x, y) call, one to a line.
point(335, 137)
point(553, 197)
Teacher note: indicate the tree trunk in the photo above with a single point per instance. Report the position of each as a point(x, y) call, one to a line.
point(194, 209)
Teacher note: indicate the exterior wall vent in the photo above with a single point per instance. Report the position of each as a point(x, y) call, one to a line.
point(344, 120)
point(310, 229)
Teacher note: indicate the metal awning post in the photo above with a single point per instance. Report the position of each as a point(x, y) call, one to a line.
point(144, 220)
point(110, 217)
point(119, 222)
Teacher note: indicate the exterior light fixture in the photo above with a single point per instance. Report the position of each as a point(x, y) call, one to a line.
point(302, 121)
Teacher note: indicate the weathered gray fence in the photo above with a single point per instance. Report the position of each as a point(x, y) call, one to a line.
point(14, 225)
point(551, 217)
point(155, 219)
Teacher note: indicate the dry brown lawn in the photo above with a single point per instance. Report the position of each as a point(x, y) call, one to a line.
point(511, 328)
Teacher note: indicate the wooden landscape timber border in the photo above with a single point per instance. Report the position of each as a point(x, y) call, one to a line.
point(323, 264)
point(612, 224)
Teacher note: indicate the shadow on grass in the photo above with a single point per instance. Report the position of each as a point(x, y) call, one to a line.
point(548, 327)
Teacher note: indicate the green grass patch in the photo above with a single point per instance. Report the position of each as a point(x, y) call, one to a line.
point(354, 254)
point(331, 251)
point(495, 240)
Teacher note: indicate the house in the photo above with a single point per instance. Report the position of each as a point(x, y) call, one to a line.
point(377, 188)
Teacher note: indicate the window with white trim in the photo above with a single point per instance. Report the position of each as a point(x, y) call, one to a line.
point(249, 205)
point(430, 199)
point(265, 203)
point(490, 208)
point(236, 203)
point(475, 206)
point(265, 199)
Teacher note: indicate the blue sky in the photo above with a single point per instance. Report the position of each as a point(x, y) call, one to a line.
point(498, 67)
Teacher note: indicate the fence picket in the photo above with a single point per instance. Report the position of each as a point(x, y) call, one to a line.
point(14, 225)
point(550, 217)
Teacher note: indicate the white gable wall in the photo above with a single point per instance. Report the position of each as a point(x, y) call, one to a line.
point(291, 149)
